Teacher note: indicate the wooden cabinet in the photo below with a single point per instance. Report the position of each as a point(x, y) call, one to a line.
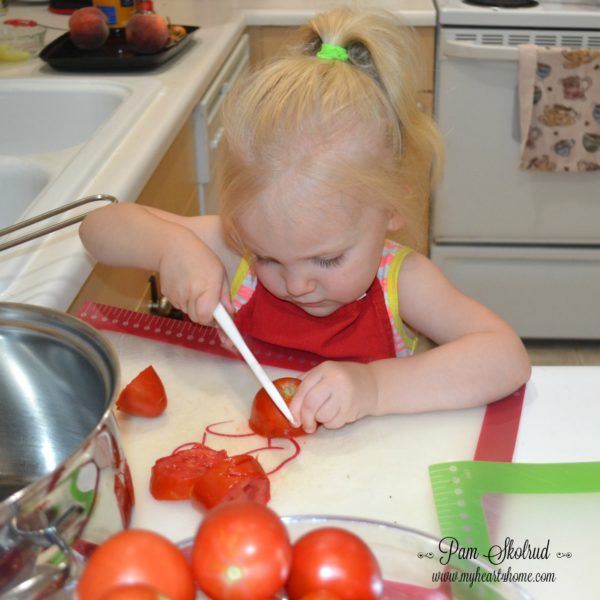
point(267, 42)
point(172, 187)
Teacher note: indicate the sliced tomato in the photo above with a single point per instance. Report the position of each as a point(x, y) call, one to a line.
point(144, 396)
point(235, 478)
point(174, 476)
point(266, 419)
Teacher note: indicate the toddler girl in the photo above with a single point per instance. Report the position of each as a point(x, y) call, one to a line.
point(323, 157)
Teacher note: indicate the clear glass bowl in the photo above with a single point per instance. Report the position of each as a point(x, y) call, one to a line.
point(20, 39)
point(410, 562)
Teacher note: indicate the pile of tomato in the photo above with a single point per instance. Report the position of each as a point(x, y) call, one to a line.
point(241, 551)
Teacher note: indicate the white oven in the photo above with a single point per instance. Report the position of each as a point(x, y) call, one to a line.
point(525, 243)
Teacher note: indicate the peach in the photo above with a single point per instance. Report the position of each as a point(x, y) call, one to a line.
point(147, 32)
point(88, 28)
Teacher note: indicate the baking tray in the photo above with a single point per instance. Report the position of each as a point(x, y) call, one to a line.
point(114, 55)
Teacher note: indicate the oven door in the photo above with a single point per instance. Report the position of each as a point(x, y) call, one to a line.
point(484, 196)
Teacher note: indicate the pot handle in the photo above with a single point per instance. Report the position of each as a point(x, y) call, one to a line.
point(47, 578)
point(47, 215)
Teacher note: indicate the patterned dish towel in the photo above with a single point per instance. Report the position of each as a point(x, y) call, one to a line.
point(559, 102)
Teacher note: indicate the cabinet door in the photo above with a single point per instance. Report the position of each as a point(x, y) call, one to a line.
point(171, 187)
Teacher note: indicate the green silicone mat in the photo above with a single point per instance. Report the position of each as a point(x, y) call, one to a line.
point(464, 491)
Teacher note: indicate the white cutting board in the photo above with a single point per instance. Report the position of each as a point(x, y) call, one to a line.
point(375, 468)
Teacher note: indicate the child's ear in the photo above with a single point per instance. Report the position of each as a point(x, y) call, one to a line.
point(395, 221)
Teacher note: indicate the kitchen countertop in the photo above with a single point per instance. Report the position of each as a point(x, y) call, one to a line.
point(58, 265)
point(378, 467)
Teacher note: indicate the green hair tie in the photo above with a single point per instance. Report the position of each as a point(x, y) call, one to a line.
point(333, 52)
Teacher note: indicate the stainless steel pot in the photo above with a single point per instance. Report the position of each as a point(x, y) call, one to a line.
point(64, 482)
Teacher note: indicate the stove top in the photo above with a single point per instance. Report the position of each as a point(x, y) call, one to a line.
point(539, 14)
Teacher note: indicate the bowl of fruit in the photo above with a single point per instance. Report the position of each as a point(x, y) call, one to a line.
point(244, 550)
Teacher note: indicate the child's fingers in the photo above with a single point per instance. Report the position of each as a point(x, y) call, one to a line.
point(308, 400)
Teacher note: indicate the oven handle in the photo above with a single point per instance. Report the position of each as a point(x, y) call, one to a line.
point(468, 50)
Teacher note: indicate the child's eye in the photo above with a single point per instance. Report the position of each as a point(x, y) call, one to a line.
point(263, 260)
point(329, 262)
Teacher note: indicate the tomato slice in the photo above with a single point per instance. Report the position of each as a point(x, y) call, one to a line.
point(144, 396)
point(174, 476)
point(266, 419)
point(235, 478)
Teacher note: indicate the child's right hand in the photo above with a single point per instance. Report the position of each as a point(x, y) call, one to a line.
point(193, 279)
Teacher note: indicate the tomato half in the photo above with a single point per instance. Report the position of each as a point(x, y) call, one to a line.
point(241, 552)
point(137, 556)
point(144, 395)
point(266, 419)
point(235, 478)
point(335, 560)
point(174, 476)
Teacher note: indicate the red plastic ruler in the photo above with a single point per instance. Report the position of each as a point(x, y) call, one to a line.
point(190, 335)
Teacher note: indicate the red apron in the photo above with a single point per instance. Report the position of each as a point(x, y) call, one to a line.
point(359, 331)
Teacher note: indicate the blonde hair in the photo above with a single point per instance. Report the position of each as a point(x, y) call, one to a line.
point(297, 114)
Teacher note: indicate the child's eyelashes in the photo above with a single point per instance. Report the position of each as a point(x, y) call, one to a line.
point(320, 261)
point(329, 262)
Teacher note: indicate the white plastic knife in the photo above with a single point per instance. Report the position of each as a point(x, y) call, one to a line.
point(226, 323)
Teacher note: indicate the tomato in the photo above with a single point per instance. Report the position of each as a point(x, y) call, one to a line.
point(335, 560)
point(137, 556)
point(235, 478)
point(174, 476)
point(320, 595)
point(266, 419)
point(135, 591)
point(241, 552)
point(144, 395)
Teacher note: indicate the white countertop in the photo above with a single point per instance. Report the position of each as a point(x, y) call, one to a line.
point(57, 265)
point(376, 468)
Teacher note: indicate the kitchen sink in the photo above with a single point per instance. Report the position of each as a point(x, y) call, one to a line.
point(57, 133)
point(45, 115)
point(22, 180)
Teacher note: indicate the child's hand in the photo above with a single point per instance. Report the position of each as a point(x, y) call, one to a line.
point(333, 394)
point(194, 281)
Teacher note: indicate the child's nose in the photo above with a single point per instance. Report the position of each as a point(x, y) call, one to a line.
point(298, 284)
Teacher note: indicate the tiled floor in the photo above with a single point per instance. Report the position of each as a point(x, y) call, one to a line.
point(559, 352)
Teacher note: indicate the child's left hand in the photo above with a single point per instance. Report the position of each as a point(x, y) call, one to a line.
point(333, 394)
